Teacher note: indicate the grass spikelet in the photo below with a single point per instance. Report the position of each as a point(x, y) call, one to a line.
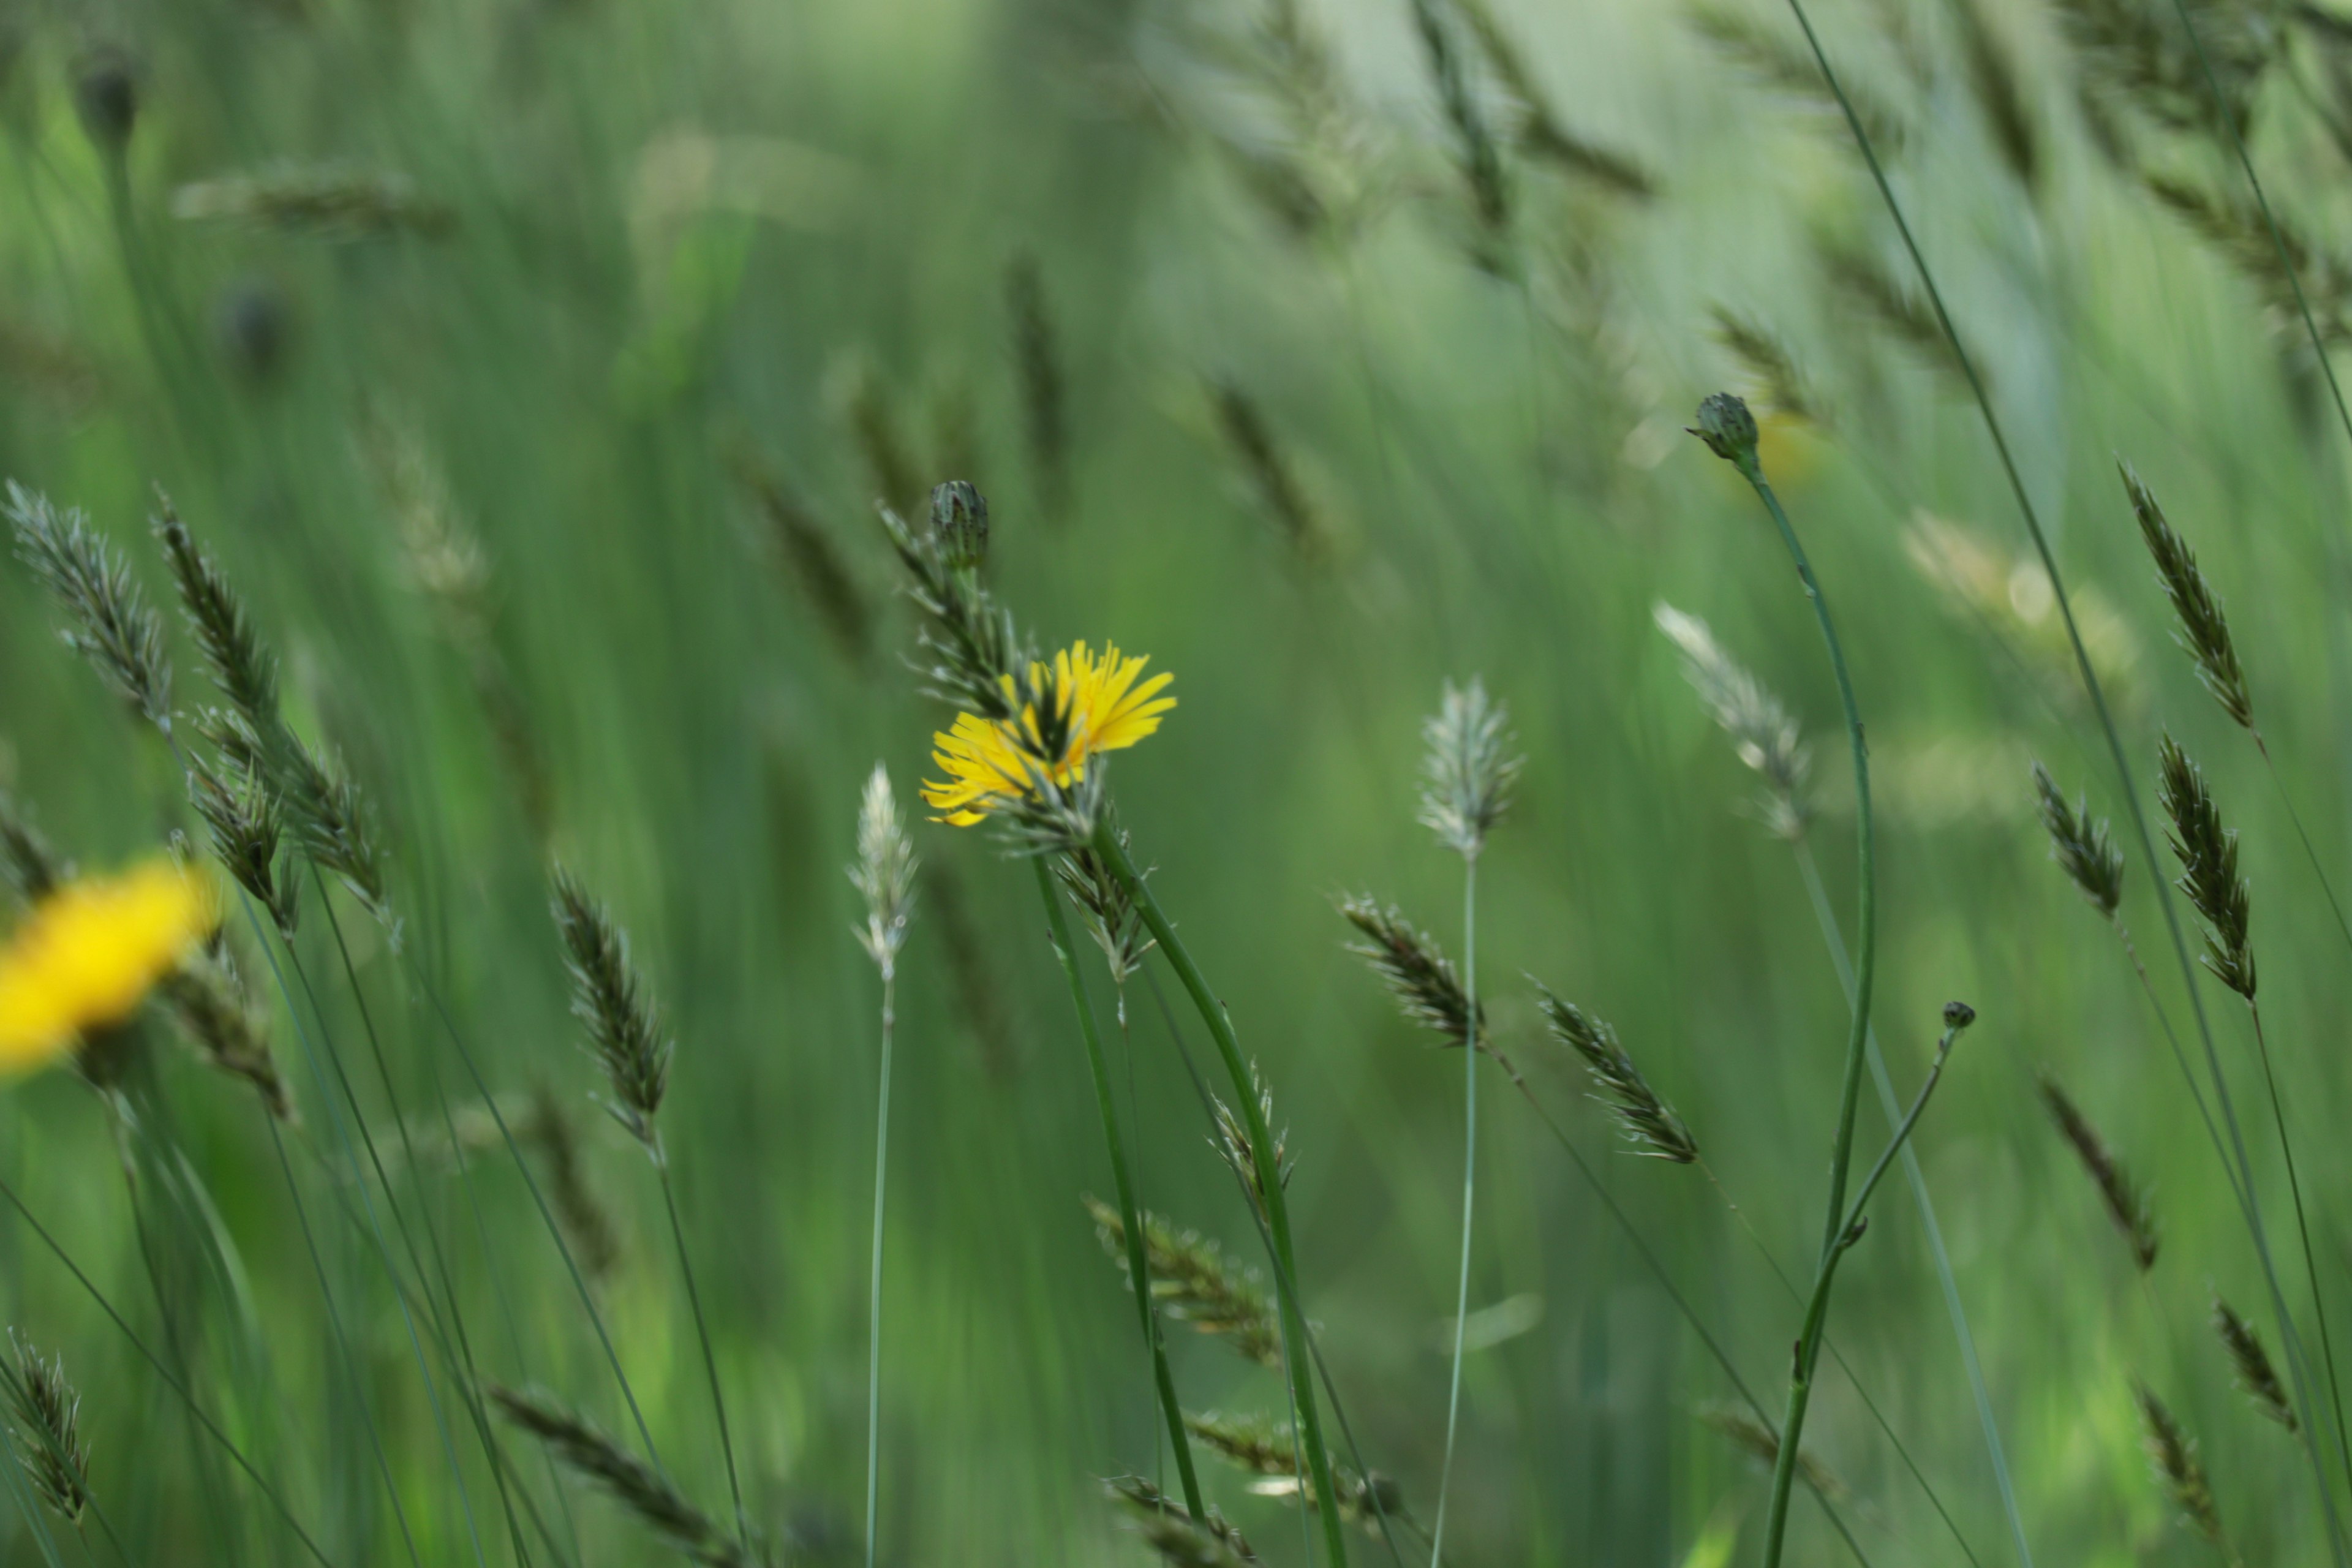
point(1481, 160)
point(2002, 98)
point(32, 868)
point(108, 619)
point(2127, 1203)
point(2174, 1453)
point(548, 1128)
point(1782, 64)
point(2137, 55)
point(629, 1480)
point(240, 664)
point(1110, 912)
point(1266, 1448)
point(242, 818)
point(1194, 1282)
point(2251, 1365)
point(44, 1412)
point(1262, 460)
point(1648, 1122)
point(815, 560)
point(624, 1027)
point(1780, 382)
point(207, 1001)
point(325, 201)
point(2241, 236)
point(1759, 1442)
point(2209, 866)
point(1467, 770)
point(1858, 277)
point(1038, 361)
point(883, 875)
point(2083, 847)
point(1762, 732)
point(1408, 962)
point(1160, 1521)
point(1239, 1149)
point(1540, 132)
point(2200, 627)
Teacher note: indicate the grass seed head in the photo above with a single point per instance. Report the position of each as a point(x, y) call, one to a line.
point(1234, 1143)
point(31, 867)
point(2083, 848)
point(1467, 769)
point(2200, 628)
point(2251, 1365)
point(240, 663)
point(2127, 1203)
point(625, 1028)
point(45, 1411)
point(1648, 1122)
point(106, 617)
point(1763, 734)
point(1194, 1282)
point(644, 1491)
point(2174, 1453)
point(884, 874)
point(2208, 868)
point(1169, 1530)
point(1409, 962)
point(208, 1001)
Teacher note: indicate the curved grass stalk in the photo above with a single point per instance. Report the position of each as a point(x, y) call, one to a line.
point(2097, 694)
point(1269, 1172)
point(1138, 1274)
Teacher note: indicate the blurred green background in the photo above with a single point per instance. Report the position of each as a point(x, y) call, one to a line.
point(534, 366)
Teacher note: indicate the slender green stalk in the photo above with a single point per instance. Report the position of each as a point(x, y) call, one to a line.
point(710, 1358)
point(1469, 1190)
point(873, 1276)
point(1139, 1271)
point(1269, 1172)
point(2097, 694)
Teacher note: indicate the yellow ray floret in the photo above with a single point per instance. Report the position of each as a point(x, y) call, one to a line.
point(1105, 705)
point(89, 953)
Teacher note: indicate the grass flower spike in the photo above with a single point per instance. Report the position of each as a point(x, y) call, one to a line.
point(1086, 704)
point(89, 953)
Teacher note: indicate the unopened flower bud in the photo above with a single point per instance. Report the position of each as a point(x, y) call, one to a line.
point(960, 522)
point(1727, 428)
point(1959, 1015)
point(106, 96)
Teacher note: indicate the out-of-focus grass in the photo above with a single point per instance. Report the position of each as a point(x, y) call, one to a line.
point(680, 242)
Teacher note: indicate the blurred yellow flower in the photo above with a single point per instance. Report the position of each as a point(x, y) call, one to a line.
point(89, 953)
point(1095, 704)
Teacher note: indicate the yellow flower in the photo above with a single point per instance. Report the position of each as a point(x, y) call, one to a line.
point(89, 953)
point(1097, 704)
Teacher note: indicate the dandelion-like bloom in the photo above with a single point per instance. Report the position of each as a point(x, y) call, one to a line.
point(89, 953)
point(1091, 704)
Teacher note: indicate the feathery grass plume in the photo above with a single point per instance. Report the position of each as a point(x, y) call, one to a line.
point(2174, 1453)
point(207, 1000)
point(1262, 460)
point(624, 1026)
point(1234, 1143)
point(814, 558)
point(2256, 1378)
point(1468, 768)
point(1648, 1122)
point(107, 619)
point(1193, 1281)
point(2201, 629)
point(2134, 52)
point(328, 202)
point(1480, 159)
point(971, 968)
point(548, 1128)
point(1759, 1443)
point(1162, 1521)
point(2243, 235)
point(1266, 1448)
point(1763, 735)
point(1540, 134)
point(31, 867)
point(629, 1480)
point(2209, 866)
point(44, 1412)
point(242, 818)
point(2083, 847)
point(1780, 382)
point(1408, 963)
point(885, 873)
point(1111, 916)
point(1038, 359)
point(1784, 66)
point(239, 662)
point(2002, 98)
point(1858, 279)
point(2126, 1202)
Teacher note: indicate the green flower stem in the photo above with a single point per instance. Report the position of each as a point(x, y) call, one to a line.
point(1801, 1380)
point(1270, 1179)
point(1139, 1272)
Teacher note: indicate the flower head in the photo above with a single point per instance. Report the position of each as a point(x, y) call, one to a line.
point(89, 953)
point(1083, 704)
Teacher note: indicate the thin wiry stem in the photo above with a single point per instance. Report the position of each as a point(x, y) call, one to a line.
point(1269, 1172)
point(1139, 1272)
point(2097, 694)
point(1469, 1193)
point(874, 1281)
point(710, 1358)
